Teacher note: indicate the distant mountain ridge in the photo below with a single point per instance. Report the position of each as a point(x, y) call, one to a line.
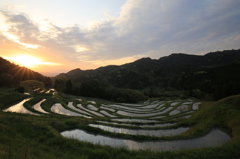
point(153, 72)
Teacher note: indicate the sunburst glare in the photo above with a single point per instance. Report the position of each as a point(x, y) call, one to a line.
point(28, 61)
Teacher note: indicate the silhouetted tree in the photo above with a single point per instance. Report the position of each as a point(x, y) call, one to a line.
point(20, 89)
point(68, 88)
point(31, 85)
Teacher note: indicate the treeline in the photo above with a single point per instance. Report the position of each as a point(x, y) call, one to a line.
point(218, 82)
point(212, 83)
point(12, 74)
point(94, 88)
point(172, 76)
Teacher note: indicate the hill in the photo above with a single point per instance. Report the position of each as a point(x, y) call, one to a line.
point(12, 74)
point(220, 81)
point(155, 77)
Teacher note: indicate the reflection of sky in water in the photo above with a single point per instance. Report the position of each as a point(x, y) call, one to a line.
point(214, 138)
point(155, 108)
point(70, 105)
point(59, 109)
point(49, 91)
point(107, 114)
point(160, 107)
point(39, 108)
point(150, 106)
point(133, 105)
point(196, 106)
point(120, 107)
point(93, 112)
point(174, 103)
point(158, 133)
point(182, 108)
point(144, 114)
point(19, 108)
point(109, 109)
point(146, 103)
point(135, 120)
point(187, 103)
point(89, 106)
point(93, 102)
point(138, 125)
point(96, 139)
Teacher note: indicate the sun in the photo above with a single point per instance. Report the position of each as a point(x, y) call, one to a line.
point(26, 60)
point(29, 61)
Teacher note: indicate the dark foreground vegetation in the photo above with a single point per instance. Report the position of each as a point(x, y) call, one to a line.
point(27, 136)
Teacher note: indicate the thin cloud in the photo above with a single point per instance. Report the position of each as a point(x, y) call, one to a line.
point(144, 28)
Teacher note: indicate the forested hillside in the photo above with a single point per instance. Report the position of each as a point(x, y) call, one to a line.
point(175, 73)
point(12, 74)
point(220, 81)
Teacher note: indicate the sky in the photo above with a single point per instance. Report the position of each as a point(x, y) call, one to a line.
point(62, 35)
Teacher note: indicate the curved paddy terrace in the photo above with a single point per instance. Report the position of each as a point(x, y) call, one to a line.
point(155, 124)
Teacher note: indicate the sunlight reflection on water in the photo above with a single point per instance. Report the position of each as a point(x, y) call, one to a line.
point(19, 108)
point(39, 108)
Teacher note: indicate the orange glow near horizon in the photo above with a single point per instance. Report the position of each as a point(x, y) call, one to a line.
point(28, 61)
point(56, 64)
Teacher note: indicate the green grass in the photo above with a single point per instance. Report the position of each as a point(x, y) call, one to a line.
point(222, 114)
point(47, 104)
point(26, 136)
point(29, 104)
point(9, 98)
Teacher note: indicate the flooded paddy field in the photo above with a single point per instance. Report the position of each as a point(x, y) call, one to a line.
point(212, 139)
point(146, 132)
point(157, 119)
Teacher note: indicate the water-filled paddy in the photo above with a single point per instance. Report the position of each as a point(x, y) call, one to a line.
point(91, 107)
point(195, 106)
point(39, 108)
point(107, 114)
point(135, 120)
point(157, 133)
point(145, 119)
point(59, 109)
point(153, 125)
point(146, 114)
point(19, 108)
point(180, 109)
point(212, 139)
point(70, 105)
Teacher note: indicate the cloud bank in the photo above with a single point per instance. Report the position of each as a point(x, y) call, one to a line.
point(153, 28)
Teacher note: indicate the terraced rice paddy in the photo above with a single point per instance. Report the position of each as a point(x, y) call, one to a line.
point(19, 108)
point(150, 118)
point(119, 112)
point(214, 138)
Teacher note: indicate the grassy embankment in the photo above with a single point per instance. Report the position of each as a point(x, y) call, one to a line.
point(27, 136)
